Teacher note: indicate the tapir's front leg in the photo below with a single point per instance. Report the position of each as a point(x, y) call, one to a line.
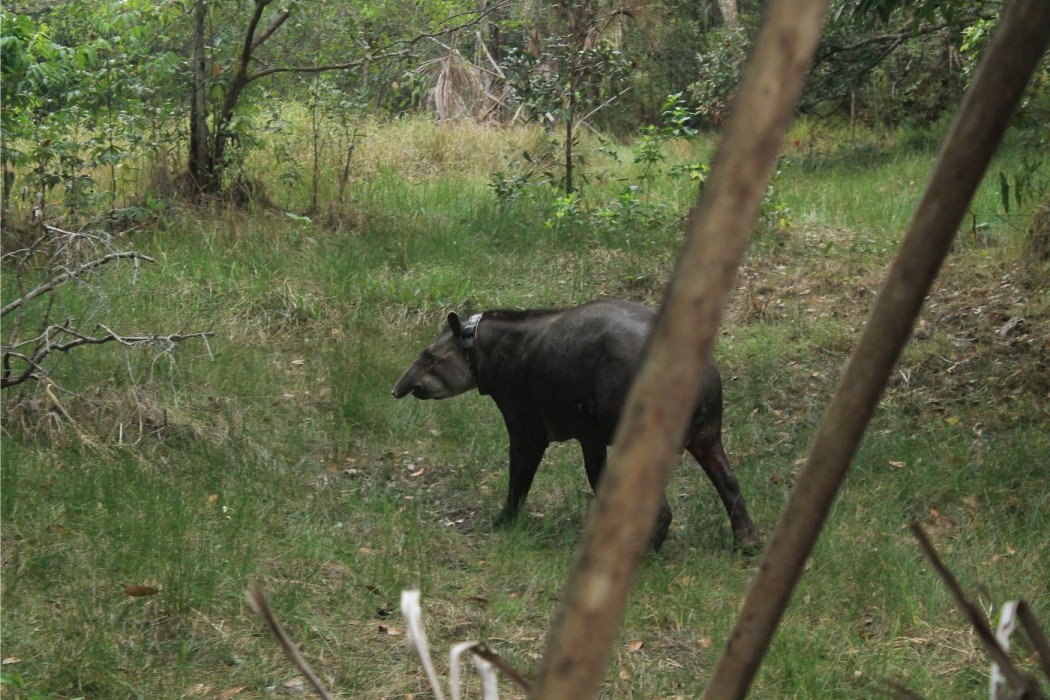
point(527, 445)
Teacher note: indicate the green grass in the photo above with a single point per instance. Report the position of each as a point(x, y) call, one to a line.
point(279, 456)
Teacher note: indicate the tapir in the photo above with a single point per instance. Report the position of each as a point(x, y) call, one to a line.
point(563, 374)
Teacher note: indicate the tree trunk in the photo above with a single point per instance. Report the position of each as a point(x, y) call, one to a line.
point(201, 167)
point(730, 14)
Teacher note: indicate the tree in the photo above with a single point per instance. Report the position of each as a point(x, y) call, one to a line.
point(571, 70)
point(213, 127)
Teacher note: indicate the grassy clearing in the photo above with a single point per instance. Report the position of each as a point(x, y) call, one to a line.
point(280, 457)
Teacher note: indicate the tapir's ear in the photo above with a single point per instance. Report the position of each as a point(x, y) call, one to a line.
point(455, 324)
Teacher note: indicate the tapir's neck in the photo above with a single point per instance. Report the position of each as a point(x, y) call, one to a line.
point(498, 341)
point(467, 336)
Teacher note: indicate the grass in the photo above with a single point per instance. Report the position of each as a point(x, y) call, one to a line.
point(279, 456)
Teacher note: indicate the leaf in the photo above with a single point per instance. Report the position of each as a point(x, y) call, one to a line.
point(391, 631)
point(635, 645)
point(140, 591)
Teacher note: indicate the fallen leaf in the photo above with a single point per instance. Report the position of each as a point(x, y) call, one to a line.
point(897, 465)
point(934, 513)
point(298, 363)
point(419, 473)
point(952, 420)
point(391, 631)
point(10, 660)
point(140, 591)
point(624, 674)
point(295, 685)
point(365, 550)
point(635, 645)
point(705, 643)
point(212, 499)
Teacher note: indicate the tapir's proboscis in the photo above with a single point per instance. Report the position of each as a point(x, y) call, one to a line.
point(563, 374)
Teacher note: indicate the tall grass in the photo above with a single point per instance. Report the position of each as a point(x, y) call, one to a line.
point(280, 457)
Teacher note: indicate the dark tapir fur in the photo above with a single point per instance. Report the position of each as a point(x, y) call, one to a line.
point(564, 374)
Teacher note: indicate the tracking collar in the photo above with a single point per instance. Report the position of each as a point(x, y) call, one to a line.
point(466, 339)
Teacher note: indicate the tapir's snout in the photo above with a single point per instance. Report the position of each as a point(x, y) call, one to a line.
point(402, 389)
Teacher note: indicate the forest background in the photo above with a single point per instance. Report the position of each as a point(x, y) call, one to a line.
point(228, 225)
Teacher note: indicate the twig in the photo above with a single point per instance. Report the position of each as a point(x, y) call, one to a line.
point(257, 601)
point(1025, 684)
point(1036, 635)
point(66, 276)
point(45, 346)
point(482, 651)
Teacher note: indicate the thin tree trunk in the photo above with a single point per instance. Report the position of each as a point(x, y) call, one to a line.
point(730, 14)
point(200, 168)
point(652, 427)
point(983, 117)
point(569, 135)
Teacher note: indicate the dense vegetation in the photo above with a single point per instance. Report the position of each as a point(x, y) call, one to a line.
point(222, 413)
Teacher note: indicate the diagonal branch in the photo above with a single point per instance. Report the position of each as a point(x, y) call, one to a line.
point(66, 276)
point(45, 345)
point(984, 115)
point(406, 47)
point(1021, 682)
point(661, 399)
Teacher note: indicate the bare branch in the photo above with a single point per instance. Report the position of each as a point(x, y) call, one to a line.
point(1023, 683)
point(273, 27)
point(1036, 635)
point(483, 651)
point(45, 345)
point(66, 276)
point(404, 52)
point(257, 601)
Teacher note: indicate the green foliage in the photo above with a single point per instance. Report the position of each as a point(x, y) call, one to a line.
point(73, 110)
point(720, 62)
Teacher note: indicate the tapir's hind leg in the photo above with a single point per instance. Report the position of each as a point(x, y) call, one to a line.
point(712, 457)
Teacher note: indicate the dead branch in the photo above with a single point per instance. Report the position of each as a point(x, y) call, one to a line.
point(46, 344)
point(66, 276)
point(653, 424)
point(983, 117)
point(482, 651)
point(1036, 635)
point(258, 603)
point(1024, 683)
point(405, 51)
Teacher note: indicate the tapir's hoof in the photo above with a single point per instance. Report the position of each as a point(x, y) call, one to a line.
point(504, 519)
point(749, 543)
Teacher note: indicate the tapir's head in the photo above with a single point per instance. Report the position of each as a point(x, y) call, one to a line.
point(441, 370)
